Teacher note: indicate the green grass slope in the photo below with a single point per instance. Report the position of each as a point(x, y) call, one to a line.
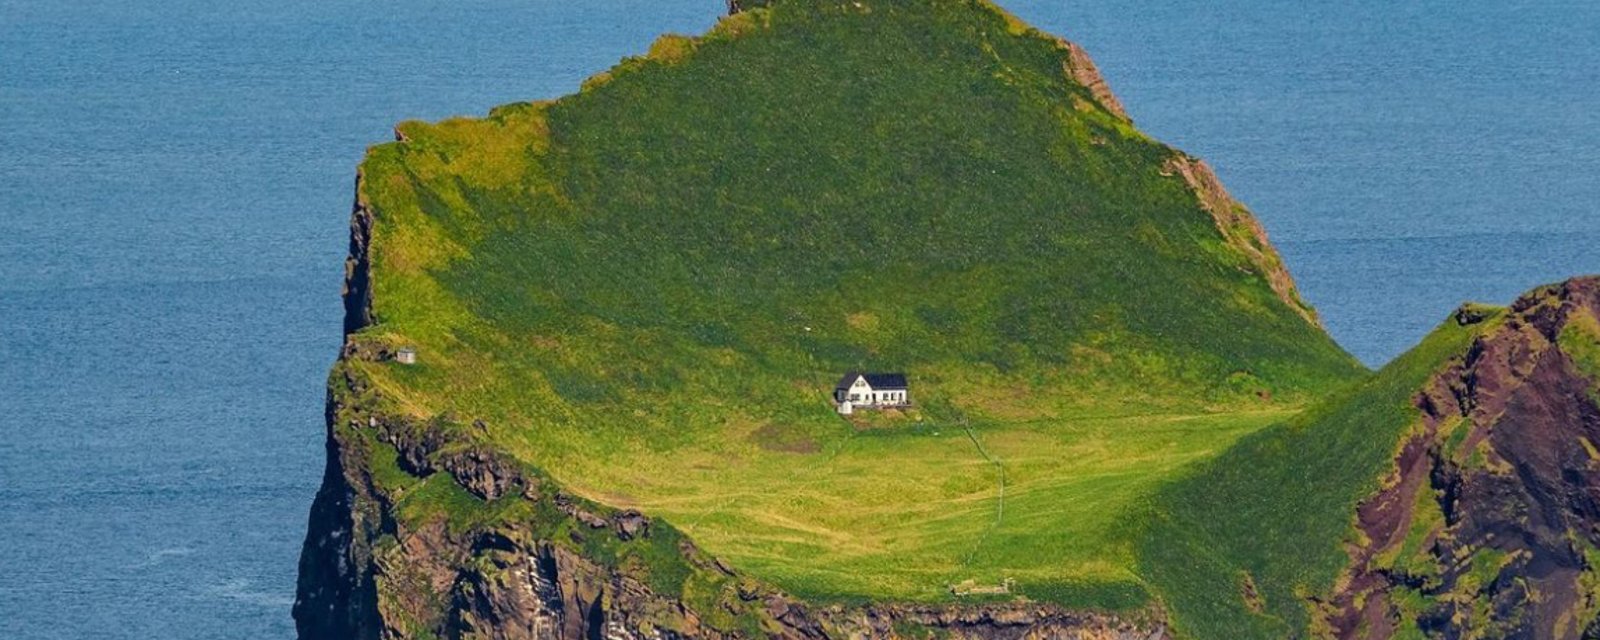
point(1274, 511)
point(650, 287)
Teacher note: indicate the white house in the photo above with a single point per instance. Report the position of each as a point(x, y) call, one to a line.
point(871, 391)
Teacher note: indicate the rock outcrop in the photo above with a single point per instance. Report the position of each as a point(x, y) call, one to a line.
point(1489, 524)
point(512, 556)
point(1081, 68)
point(1241, 230)
point(358, 267)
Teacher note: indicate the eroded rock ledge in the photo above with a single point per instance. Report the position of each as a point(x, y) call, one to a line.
point(1241, 230)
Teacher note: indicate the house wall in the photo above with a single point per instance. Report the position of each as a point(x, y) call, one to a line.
point(862, 391)
point(891, 398)
point(864, 395)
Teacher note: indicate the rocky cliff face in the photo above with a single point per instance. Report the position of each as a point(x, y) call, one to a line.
point(486, 566)
point(1489, 524)
point(1241, 230)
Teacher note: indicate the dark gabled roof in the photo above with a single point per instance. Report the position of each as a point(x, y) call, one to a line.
point(887, 380)
point(877, 380)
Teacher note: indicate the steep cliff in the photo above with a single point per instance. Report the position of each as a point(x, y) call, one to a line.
point(421, 531)
point(1489, 523)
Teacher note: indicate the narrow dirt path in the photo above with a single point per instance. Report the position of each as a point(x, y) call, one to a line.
point(1000, 496)
point(999, 467)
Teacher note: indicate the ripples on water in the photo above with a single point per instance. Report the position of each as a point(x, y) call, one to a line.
point(1405, 157)
point(176, 178)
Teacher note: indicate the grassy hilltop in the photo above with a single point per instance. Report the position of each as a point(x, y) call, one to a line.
point(649, 288)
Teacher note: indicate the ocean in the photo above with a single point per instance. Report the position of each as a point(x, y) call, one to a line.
point(175, 184)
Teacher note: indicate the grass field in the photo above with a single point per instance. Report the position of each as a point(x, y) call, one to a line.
point(1279, 506)
point(902, 513)
point(649, 288)
point(898, 506)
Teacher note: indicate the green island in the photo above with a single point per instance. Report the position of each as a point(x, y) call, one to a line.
point(648, 290)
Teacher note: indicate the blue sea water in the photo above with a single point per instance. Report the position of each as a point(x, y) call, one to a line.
point(175, 180)
point(1404, 156)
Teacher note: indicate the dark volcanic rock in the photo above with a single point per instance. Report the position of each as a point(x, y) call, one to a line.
point(1506, 453)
